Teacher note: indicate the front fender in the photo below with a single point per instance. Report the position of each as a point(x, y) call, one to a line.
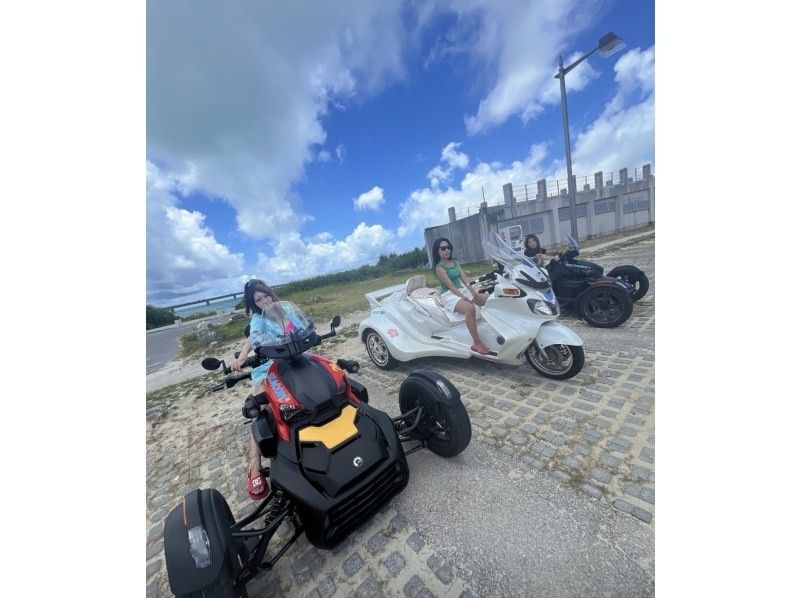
point(553, 333)
point(377, 321)
point(607, 281)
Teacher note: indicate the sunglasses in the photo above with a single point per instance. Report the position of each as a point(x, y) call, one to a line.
point(445, 248)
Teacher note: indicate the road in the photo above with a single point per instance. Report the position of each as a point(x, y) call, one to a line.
point(162, 343)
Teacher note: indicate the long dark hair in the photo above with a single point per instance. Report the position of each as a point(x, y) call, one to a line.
point(435, 250)
point(250, 288)
point(533, 251)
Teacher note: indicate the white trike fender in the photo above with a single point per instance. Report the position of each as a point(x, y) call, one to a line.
point(553, 333)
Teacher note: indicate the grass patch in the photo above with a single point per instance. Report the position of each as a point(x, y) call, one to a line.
point(230, 331)
point(199, 315)
point(322, 303)
point(343, 334)
point(163, 398)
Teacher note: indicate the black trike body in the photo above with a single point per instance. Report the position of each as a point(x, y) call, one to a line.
point(603, 300)
point(334, 461)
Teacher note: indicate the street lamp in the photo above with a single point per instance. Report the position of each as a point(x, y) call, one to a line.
point(608, 45)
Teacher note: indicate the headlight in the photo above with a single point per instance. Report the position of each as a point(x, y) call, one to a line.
point(288, 411)
point(199, 547)
point(540, 307)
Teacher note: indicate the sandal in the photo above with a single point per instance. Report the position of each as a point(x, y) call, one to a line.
point(474, 349)
point(257, 486)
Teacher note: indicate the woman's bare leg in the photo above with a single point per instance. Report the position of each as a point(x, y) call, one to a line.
point(468, 311)
point(254, 468)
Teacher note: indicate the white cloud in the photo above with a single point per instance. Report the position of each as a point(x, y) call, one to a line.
point(370, 200)
point(636, 69)
point(452, 159)
point(183, 257)
point(295, 259)
point(428, 207)
point(237, 96)
point(324, 156)
point(514, 46)
point(340, 153)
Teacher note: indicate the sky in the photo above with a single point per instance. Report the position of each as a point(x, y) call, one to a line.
point(287, 140)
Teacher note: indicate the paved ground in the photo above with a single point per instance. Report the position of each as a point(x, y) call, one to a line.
point(555, 495)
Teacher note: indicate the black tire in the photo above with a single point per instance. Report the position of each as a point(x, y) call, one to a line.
point(560, 362)
point(378, 351)
point(605, 306)
point(632, 275)
point(444, 426)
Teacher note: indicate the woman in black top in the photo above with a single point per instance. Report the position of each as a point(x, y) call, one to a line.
point(534, 249)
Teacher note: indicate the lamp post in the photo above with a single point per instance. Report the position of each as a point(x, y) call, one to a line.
point(608, 45)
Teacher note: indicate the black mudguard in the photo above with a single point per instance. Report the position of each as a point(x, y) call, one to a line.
point(263, 430)
point(607, 281)
point(447, 394)
point(359, 390)
point(208, 510)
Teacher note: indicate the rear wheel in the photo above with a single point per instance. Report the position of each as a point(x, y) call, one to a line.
point(558, 362)
point(633, 276)
point(444, 426)
point(605, 306)
point(378, 351)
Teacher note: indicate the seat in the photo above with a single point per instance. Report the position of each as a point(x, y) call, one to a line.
point(418, 281)
point(429, 301)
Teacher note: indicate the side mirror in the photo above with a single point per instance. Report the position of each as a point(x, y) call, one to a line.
point(337, 320)
point(211, 363)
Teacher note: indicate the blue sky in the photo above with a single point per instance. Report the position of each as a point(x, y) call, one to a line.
point(285, 141)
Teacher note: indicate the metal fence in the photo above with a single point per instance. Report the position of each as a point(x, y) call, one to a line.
point(528, 191)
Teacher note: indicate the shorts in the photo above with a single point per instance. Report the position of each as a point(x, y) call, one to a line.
point(450, 299)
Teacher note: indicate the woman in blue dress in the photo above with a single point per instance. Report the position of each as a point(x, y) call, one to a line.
point(258, 297)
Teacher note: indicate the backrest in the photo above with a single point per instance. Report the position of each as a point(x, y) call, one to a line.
point(417, 281)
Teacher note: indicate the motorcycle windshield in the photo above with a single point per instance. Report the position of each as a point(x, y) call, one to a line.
point(285, 322)
point(502, 253)
point(572, 243)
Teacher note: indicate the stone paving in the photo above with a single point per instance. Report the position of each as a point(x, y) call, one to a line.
point(594, 433)
point(387, 556)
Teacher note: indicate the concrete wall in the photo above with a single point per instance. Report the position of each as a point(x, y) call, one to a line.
point(608, 207)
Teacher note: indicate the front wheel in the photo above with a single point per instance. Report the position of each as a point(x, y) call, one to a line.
point(633, 276)
point(444, 425)
point(557, 362)
point(378, 351)
point(605, 306)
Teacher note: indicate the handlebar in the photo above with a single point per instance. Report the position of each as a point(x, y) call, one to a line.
point(569, 254)
point(231, 381)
